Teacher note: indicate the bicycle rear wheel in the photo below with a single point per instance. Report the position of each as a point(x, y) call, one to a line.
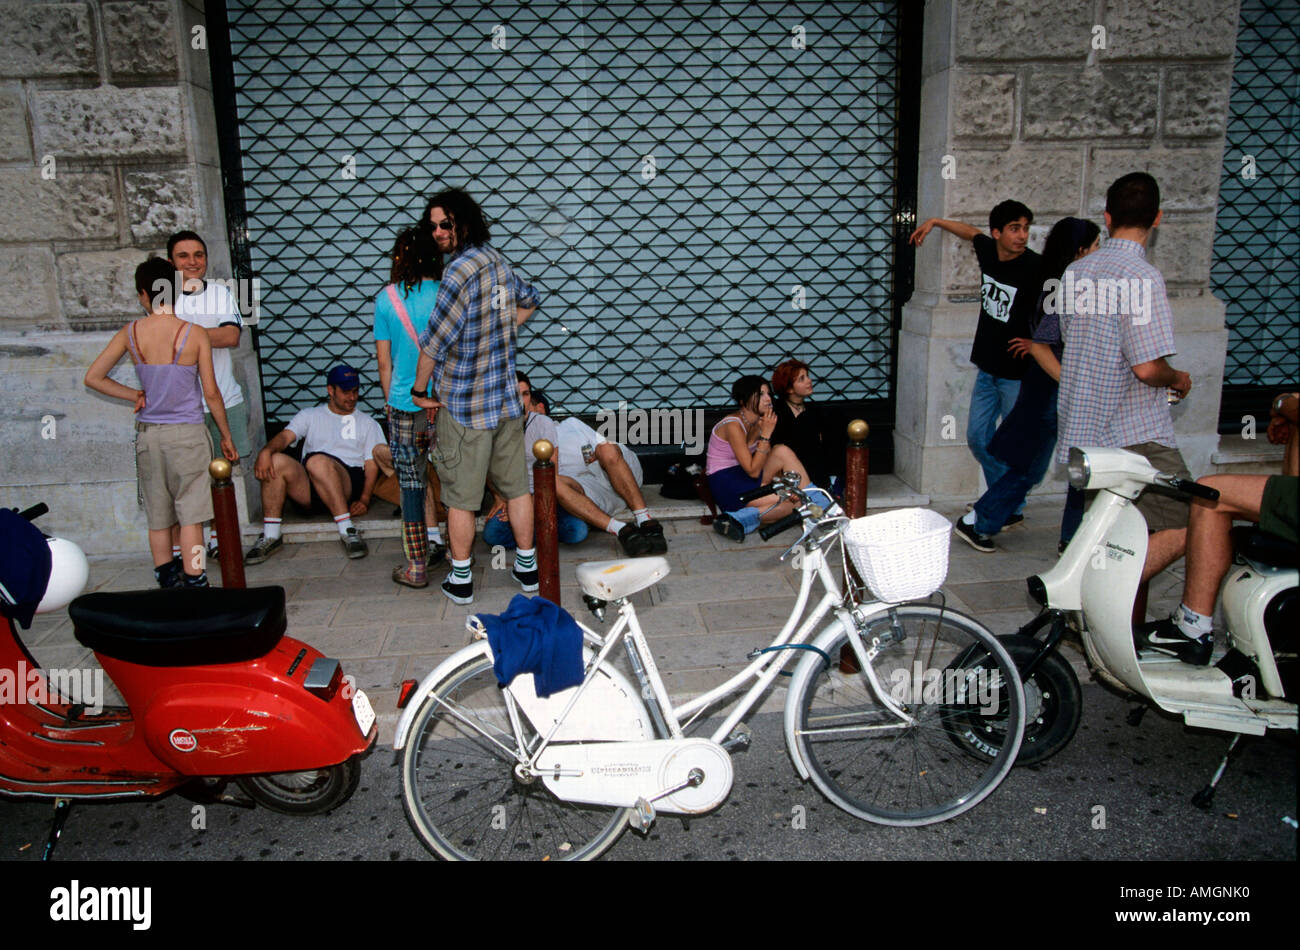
point(941, 667)
point(461, 793)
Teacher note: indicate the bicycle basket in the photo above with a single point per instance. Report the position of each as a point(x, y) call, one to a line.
point(902, 555)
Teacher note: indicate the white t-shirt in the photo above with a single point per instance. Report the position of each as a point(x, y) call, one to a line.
point(210, 308)
point(574, 434)
point(536, 427)
point(350, 439)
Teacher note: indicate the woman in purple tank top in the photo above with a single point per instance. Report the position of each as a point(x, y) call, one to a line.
point(173, 361)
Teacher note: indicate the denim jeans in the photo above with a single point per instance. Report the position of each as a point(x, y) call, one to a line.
point(572, 529)
point(1006, 496)
point(990, 401)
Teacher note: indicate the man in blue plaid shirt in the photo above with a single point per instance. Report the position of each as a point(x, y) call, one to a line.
point(468, 349)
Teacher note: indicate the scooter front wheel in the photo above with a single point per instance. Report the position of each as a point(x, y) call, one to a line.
point(312, 792)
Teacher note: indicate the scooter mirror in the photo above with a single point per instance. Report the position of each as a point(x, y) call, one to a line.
point(69, 572)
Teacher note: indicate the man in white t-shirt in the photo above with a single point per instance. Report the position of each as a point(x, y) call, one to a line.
point(595, 478)
point(342, 450)
point(212, 307)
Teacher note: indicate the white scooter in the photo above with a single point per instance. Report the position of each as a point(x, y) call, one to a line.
point(1246, 691)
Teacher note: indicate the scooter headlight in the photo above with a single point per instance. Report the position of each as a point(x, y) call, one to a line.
point(1078, 469)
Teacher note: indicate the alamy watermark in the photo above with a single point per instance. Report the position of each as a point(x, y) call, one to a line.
point(246, 292)
point(953, 686)
point(38, 687)
point(1103, 297)
point(684, 427)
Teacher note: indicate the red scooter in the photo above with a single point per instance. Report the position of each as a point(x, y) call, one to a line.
point(213, 688)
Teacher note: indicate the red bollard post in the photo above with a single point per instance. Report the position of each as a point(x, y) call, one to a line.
point(546, 533)
point(856, 463)
point(225, 521)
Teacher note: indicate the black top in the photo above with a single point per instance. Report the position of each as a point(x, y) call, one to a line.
point(805, 434)
point(1008, 293)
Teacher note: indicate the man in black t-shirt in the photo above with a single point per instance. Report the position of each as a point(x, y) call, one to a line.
point(1009, 288)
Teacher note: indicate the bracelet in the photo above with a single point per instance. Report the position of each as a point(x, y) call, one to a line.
point(419, 393)
point(763, 438)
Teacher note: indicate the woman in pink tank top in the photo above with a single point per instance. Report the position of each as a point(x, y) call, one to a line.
point(740, 457)
point(174, 365)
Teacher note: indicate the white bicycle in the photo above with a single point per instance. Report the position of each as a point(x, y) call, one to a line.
point(885, 712)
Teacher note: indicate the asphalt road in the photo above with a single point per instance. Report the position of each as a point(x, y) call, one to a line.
point(1143, 777)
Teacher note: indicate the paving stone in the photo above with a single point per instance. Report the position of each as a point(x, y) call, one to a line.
point(767, 613)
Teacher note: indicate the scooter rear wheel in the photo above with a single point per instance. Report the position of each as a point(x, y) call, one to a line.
point(304, 793)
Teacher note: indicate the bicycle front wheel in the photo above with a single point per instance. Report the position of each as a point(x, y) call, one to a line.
point(943, 670)
point(461, 793)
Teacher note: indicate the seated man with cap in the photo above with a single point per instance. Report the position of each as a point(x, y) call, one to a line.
point(341, 453)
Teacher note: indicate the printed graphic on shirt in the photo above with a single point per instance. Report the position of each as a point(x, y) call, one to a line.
point(997, 298)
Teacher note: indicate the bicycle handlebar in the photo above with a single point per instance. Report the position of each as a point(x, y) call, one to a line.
point(755, 493)
point(1193, 488)
point(769, 531)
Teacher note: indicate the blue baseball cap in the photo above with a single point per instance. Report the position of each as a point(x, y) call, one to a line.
point(344, 377)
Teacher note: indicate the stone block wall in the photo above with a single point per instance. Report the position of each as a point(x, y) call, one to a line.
point(1049, 103)
point(108, 144)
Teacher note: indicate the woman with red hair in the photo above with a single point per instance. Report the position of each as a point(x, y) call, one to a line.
point(799, 424)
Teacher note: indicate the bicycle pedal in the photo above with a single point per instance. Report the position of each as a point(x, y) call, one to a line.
point(737, 740)
point(642, 817)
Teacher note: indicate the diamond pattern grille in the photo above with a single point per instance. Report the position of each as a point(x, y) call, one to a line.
point(773, 168)
point(1256, 269)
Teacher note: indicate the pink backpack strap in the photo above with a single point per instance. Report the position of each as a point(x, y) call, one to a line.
point(402, 314)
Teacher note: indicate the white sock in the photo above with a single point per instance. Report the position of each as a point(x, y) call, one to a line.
point(176, 550)
point(615, 526)
point(271, 528)
point(1191, 623)
point(642, 515)
point(435, 536)
point(969, 517)
point(344, 522)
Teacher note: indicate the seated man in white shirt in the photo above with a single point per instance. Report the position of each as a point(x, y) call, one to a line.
point(596, 477)
point(341, 453)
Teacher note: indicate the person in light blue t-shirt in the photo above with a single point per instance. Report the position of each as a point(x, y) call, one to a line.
point(402, 311)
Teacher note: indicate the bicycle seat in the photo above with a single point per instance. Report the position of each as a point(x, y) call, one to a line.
point(181, 627)
point(613, 580)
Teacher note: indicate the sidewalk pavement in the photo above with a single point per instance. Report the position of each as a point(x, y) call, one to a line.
point(721, 599)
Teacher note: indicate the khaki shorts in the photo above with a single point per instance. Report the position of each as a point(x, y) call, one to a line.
point(595, 483)
point(237, 419)
point(1162, 507)
point(465, 458)
point(171, 462)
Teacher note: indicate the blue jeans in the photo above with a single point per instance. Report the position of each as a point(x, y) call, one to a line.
point(990, 401)
point(572, 529)
point(1006, 496)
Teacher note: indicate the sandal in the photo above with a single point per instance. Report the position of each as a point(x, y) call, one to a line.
point(402, 575)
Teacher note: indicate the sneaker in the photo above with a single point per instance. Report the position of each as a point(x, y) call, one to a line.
point(437, 554)
point(214, 552)
point(353, 544)
point(402, 575)
point(1164, 636)
point(1015, 521)
point(459, 593)
point(980, 542)
point(653, 532)
point(263, 549)
point(197, 581)
point(633, 542)
point(526, 579)
point(729, 527)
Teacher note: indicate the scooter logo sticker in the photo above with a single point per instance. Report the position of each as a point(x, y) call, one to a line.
point(183, 740)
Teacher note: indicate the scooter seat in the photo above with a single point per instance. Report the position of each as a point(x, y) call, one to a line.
point(1262, 547)
point(180, 627)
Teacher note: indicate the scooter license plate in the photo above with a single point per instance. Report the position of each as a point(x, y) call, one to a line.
point(362, 710)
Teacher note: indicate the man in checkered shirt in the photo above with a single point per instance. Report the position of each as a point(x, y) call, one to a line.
point(1115, 376)
point(468, 349)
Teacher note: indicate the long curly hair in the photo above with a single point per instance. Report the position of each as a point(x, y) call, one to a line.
point(466, 216)
point(415, 257)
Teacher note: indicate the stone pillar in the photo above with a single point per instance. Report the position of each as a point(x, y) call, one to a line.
point(1048, 103)
point(109, 145)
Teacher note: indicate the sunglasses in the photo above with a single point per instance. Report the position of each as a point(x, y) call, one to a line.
point(444, 225)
